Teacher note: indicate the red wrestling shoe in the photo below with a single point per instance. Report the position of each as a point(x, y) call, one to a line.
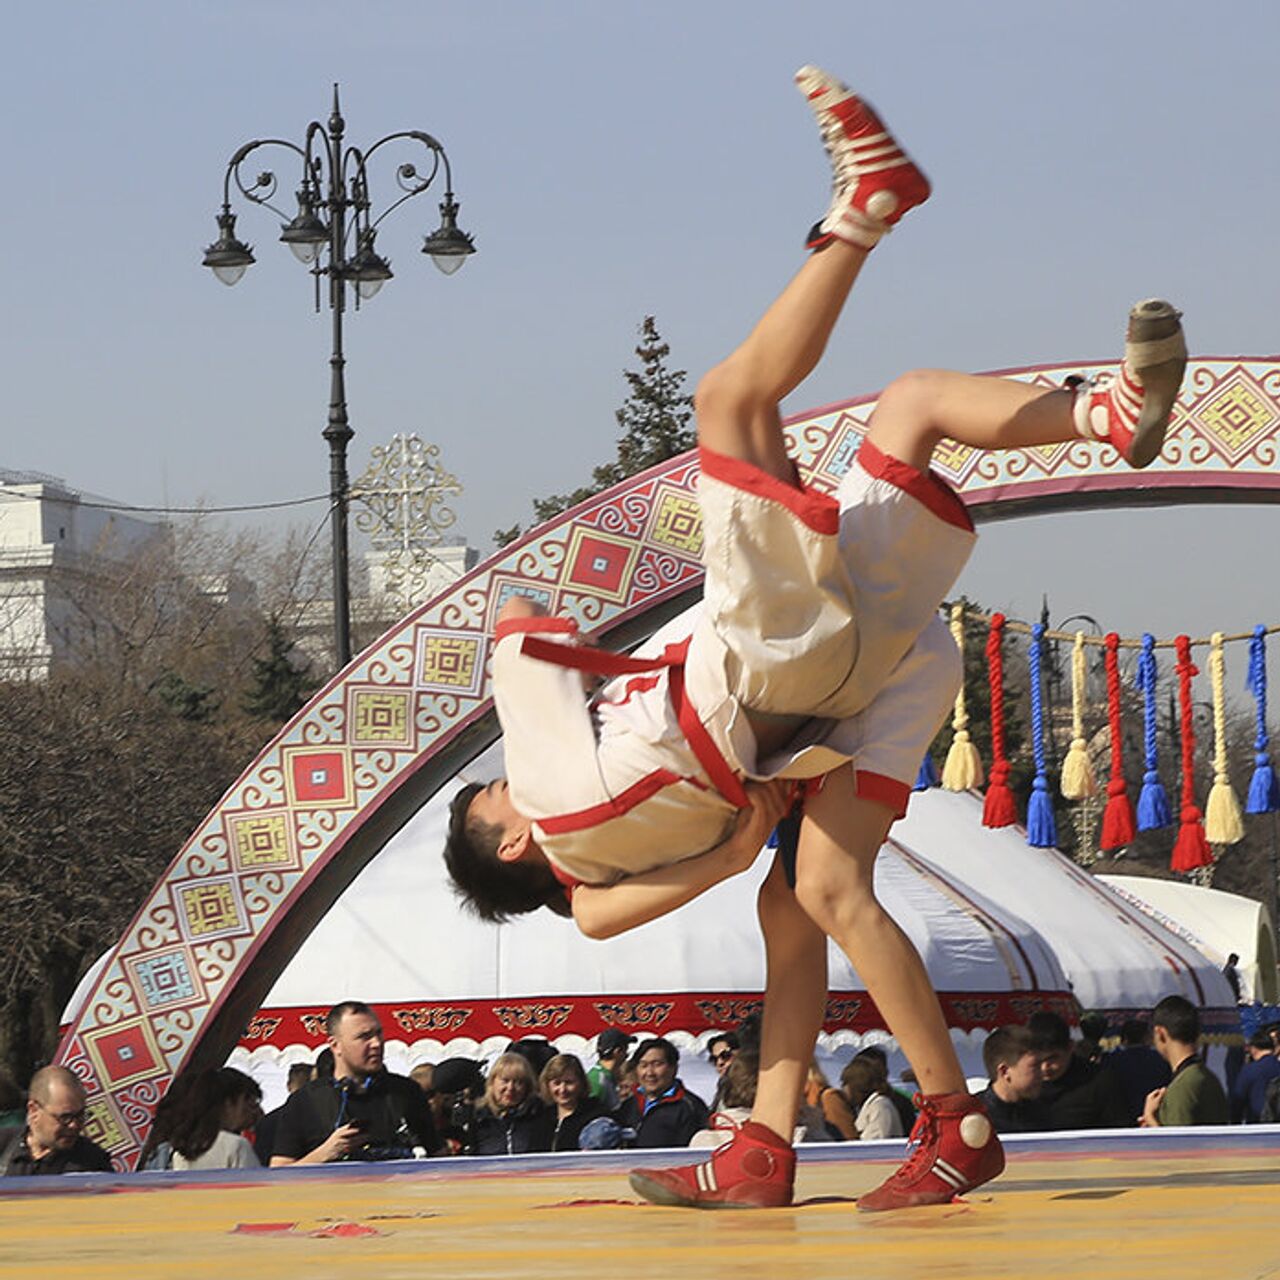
point(1131, 410)
point(952, 1149)
point(873, 181)
point(756, 1169)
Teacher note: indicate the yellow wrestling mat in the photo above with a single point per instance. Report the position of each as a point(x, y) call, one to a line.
point(1202, 1204)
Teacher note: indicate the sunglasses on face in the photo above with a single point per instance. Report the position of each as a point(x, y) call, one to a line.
point(725, 1055)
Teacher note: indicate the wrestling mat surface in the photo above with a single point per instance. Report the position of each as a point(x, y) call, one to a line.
point(1195, 1203)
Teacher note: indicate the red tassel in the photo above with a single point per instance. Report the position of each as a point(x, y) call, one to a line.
point(999, 809)
point(1118, 825)
point(1192, 849)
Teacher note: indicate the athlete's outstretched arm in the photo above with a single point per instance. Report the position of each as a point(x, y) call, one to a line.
point(604, 911)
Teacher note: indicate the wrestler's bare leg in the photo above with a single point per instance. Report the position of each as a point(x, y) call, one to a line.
point(794, 1002)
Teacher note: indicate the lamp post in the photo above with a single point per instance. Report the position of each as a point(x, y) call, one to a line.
point(334, 186)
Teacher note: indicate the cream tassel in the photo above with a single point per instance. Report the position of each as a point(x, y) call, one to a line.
point(963, 768)
point(1077, 771)
point(1223, 823)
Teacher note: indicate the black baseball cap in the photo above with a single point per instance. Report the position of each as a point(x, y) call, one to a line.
point(612, 1039)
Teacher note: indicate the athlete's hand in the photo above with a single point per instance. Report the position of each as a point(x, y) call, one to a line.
point(769, 801)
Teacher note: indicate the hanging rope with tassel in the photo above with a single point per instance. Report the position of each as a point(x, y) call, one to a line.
point(1077, 773)
point(1264, 787)
point(998, 808)
point(1223, 822)
point(1191, 850)
point(963, 767)
point(1118, 827)
point(1042, 830)
point(1153, 801)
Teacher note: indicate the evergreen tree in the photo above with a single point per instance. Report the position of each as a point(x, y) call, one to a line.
point(278, 687)
point(655, 422)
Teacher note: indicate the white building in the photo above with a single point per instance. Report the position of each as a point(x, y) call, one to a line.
point(50, 536)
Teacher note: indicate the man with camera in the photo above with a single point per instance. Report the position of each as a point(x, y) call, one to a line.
point(364, 1112)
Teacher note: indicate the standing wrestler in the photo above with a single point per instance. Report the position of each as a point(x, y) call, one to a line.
point(817, 658)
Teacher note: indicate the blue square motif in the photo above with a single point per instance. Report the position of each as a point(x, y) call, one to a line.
point(165, 979)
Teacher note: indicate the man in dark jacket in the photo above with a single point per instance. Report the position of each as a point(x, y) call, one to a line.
point(1012, 1098)
point(1079, 1094)
point(661, 1111)
point(364, 1112)
point(52, 1140)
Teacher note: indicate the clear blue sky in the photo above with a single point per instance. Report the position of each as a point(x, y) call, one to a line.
point(615, 160)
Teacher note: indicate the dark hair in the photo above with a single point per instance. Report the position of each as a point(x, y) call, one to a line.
point(1093, 1026)
point(333, 1019)
point(1261, 1040)
point(1004, 1047)
point(324, 1064)
point(492, 889)
point(724, 1037)
point(1049, 1032)
point(300, 1073)
point(194, 1119)
point(1134, 1033)
point(1178, 1016)
point(874, 1053)
point(861, 1079)
point(538, 1052)
point(667, 1049)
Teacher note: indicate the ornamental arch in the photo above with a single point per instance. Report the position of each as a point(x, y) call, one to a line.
point(384, 735)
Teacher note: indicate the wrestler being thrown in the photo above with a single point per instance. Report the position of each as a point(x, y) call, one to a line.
point(817, 663)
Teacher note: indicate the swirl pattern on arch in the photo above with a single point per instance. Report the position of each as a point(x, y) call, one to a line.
point(313, 808)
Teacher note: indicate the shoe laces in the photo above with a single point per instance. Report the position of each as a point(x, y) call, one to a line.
point(921, 1144)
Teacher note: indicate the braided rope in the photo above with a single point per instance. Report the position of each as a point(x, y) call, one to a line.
point(1223, 823)
point(1264, 788)
point(1191, 849)
point(998, 808)
point(1042, 830)
point(1077, 772)
point(962, 769)
point(1118, 828)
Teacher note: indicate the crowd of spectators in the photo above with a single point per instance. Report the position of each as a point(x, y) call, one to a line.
point(348, 1106)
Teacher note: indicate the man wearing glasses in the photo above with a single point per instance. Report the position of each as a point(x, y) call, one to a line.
point(52, 1141)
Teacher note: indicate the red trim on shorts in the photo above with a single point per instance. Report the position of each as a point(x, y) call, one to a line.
point(569, 882)
point(819, 511)
point(527, 626)
point(886, 791)
point(926, 487)
point(614, 807)
point(701, 743)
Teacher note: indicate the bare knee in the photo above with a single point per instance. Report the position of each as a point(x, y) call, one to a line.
point(905, 422)
point(739, 418)
point(837, 896)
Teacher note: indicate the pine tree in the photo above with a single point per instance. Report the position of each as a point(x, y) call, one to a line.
point(655, 422)
point(278, 687)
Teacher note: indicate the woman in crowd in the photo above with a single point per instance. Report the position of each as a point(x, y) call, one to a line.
point(824, 1110)
point(563, 1086)
point(205, 1124)
point(511, 1118)
point(867, 1094)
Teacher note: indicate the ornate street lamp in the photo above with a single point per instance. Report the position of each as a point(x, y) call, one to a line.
point(334, 233)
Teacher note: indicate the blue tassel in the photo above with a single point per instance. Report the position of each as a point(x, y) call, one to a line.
point(1264, 790)
point(1264, 787)
point(928, 775)
point(1042, 830)
point(1153, 804)
point(1153, 810)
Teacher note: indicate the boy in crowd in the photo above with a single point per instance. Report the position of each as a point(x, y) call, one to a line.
point(817, 663)
point(1194, 1095)
point(1012, 1098)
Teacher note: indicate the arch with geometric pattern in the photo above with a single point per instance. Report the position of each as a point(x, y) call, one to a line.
point(385, 734)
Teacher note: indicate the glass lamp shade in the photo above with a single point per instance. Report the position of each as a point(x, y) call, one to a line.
point(367, 288)
point(449, 262)
point(306, 251)
point(230, 273)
